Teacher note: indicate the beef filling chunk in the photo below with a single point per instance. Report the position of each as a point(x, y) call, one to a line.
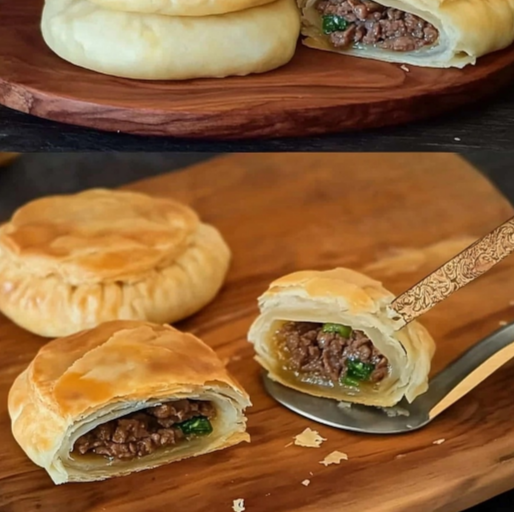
point(141, 433)
point(331, 351)
point(349, 22)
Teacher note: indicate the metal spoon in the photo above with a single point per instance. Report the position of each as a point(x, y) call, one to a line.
point(448, 386)
point(454, 381)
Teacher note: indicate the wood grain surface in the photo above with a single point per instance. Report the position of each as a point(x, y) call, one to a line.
point(395, 216)
point(317, 93)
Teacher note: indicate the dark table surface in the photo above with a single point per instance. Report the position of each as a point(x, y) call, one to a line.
point(486, 124)
point(36, 175)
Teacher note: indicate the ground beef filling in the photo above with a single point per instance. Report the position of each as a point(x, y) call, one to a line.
point(349, 22)
point(328, 354)
point(142, 432)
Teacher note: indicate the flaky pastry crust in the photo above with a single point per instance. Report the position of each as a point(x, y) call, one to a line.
point(344, 296)
point(71, 262)
point(75, 383)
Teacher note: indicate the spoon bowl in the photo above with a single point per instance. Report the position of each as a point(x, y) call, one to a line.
point(445, 388)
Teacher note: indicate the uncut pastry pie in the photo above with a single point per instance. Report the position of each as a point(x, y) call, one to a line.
point(71, 262)
point(428, 33)
point(124, 397)
point(331, 334)
point(172, 39)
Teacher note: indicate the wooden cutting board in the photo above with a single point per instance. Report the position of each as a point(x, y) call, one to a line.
point(397, 216)
point(316, 93)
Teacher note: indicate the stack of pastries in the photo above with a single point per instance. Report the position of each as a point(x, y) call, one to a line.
point(119, 390)
point(172, 39)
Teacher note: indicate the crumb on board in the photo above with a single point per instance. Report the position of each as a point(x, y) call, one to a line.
point(311, 473)
point(439, 441)
point(400, 456)
point(288, 444)
point(456, 139)
point(334, 458)
point(309, 439)
point(238, 505)
point(405, 68)
point(503, 322)
point(306, 482)
point(269, 494)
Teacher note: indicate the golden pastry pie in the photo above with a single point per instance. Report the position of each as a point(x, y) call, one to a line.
point(332, 334)
point(124, 397)
point(71, 262)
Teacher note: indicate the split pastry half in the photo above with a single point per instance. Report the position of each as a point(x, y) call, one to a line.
point(332, 334)
point(124, 397)
point(149, 46)
point(426, 33)
point(71, 262)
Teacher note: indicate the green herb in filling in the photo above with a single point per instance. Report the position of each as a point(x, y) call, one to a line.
point(198, 426)
point(333, 23)
point(357, 372)
point(343, 330)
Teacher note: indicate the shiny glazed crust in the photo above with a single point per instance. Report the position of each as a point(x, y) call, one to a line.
point(68, 263)
point(468, 29)
point(76, 383)
point(350, 298)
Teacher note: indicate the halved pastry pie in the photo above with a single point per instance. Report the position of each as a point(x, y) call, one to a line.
point(428, 33)
point(332, 334)
point(71, 262)
point(124, 397)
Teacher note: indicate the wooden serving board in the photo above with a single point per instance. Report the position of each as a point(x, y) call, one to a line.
point(316, 93)
point(398, 216)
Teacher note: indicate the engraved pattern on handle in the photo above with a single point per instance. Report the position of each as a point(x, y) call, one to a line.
point(471, 263)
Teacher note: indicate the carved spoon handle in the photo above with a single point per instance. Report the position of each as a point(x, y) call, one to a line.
point(471, 263)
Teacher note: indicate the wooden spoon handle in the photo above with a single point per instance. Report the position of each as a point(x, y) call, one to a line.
point(471, 263)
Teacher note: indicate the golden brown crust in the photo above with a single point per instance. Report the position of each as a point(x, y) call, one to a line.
point(115, 369)
point(347, 297)
point(68, 263)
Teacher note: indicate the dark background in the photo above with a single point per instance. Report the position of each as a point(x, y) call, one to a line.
point(35, 175)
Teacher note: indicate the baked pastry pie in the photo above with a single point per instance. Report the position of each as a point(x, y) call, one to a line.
point(332, 334)
point(172, 39)
point(71, 262)
point(427, 33)
point(124, 397)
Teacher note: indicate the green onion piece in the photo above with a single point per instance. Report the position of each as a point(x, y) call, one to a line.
point(357, 372)
point(343, 330)
point(333, 23)
point(349, 381)
point(199, 426)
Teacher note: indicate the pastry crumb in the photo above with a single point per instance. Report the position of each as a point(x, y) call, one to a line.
point(439, 441)
point(334, 458)
point(344, 405)
point(309, 439)
point(400, 456)
point(306, 482)
point(288, 444)
point(238, 505)
point(456, 139)
point(405, 68)
point(311, 473)
point(503, 322)
point(269, 494)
